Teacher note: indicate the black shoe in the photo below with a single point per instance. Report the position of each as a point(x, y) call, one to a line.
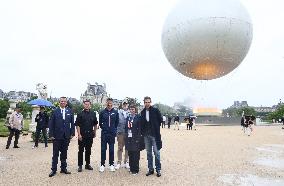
point(7, 147)
point(88, 167)
point(80, 169)
point(52, 173)
point(46, 146)
point(159, 174)
point(65, 171)
point(16, 147)
point(150, 173)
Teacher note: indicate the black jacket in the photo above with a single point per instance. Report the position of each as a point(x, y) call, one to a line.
point(176, 118)
point(86, 120)
point(136, 142)
point(42, 120)
point(155, 121)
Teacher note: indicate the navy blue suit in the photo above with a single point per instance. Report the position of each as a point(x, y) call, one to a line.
point(61, 130)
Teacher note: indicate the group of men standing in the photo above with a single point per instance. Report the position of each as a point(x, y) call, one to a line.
point(133, 131)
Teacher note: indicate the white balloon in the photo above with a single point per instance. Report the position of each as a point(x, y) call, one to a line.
point(207, 39)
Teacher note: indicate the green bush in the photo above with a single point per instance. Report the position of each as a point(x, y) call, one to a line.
point(4, 131)
point(4, 106)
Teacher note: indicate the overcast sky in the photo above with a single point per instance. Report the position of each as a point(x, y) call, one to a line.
point(66, 44)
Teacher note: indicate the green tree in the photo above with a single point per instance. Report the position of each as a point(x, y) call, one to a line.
point(4, 106)
point(25, 108)
point(97, 107)
point(277, 114)
point(32, 98)
point(133, 101)
point(77, 108)
point(237, 112)
point(246, 110)
point(182, 110)
point(165, 109)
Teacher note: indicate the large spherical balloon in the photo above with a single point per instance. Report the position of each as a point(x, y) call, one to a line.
point(207, 39)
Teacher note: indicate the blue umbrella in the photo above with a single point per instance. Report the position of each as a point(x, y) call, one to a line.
point(40, 102)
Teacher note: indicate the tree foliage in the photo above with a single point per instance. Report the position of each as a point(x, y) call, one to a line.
point(97, 107)
point(165, 109)
point(76, 108)
point(133, 101)
point(4, 106)
point(277, 114)
point(237, 112)
point(25, 108)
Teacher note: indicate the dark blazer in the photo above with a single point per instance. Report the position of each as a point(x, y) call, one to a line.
point(155, 120)
point(59, 128)
point(136, 142)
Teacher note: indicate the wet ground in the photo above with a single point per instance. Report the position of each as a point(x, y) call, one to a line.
point(215, 155)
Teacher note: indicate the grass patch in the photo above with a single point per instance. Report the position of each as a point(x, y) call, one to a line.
point(4, 132)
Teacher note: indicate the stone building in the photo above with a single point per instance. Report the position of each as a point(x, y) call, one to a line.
point(95, 93)
point(19, 96)
point(239, 104)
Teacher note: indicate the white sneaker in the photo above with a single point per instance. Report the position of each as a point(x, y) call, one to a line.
point(111, 168)
point(122, 165)
point(102, 168)
point(127, 165)
point(117, 166)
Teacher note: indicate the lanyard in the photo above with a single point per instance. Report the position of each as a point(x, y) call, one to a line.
point(130, 121)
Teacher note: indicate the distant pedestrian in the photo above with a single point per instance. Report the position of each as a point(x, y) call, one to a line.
point(16, 124)
point(194, 123)
point(190, 123)
point(164, 122)
point(243, 123)
point(42, 119)
point(176, 121)
point(249, 124)
point(169, 121)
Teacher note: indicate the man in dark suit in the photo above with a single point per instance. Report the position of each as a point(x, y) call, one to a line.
point(61, 130)
point(151, 120)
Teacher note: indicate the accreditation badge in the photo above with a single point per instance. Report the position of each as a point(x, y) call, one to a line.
point(129, 133)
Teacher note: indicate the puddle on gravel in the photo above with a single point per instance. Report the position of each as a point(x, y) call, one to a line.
point(270, 162)
point(2, 158)
point(249, 180)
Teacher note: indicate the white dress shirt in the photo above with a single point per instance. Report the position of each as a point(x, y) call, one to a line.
point(147, 115)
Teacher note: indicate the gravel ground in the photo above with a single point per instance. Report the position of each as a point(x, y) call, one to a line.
point(206, 156)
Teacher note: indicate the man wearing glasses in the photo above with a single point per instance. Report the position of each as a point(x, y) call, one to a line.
point(151, 120)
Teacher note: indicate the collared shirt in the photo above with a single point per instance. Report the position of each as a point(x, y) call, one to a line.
point(63, 113)
point(147, 115)
point(16, 121)
point(86, 120)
